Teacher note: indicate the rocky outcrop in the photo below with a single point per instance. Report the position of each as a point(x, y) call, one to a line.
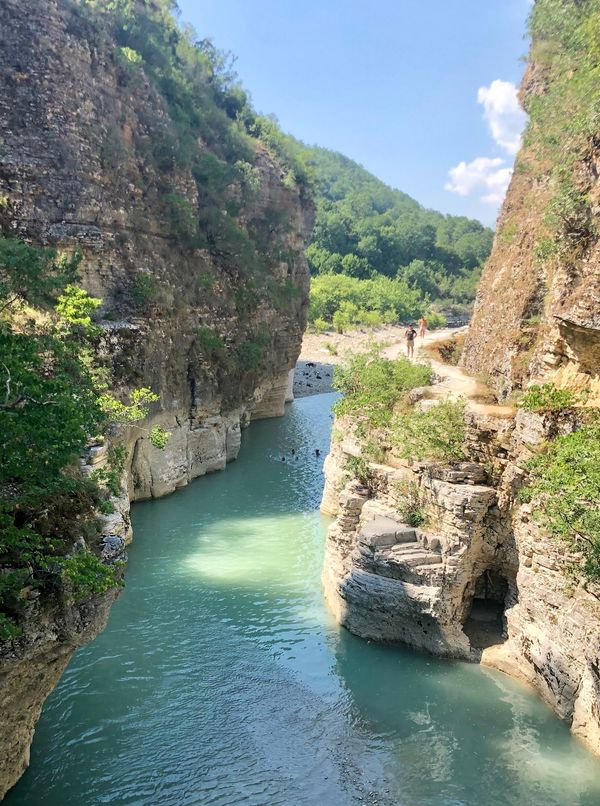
point(86, 163)
point(479, 580)
point(483, 579)
point(30, 672)
point(536, 313)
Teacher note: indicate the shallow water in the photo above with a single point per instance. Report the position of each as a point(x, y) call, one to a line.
point(222, 679)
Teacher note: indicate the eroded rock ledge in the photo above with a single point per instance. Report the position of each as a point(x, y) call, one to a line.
point(480, 581)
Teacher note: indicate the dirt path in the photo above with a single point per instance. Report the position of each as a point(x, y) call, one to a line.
point(321, 352)
point(455, 382)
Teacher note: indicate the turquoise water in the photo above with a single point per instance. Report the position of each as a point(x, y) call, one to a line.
point(222, 679)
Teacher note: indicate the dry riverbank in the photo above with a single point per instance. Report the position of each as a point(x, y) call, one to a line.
point(322, 352)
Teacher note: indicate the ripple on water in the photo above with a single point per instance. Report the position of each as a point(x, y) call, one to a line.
point(221, 678)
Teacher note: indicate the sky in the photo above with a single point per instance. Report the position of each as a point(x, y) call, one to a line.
point(420, 92)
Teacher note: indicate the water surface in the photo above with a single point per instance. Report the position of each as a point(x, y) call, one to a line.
point(222, 679)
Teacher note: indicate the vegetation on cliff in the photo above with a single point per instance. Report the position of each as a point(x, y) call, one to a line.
point(387, 417)
point(565, 486)
point(54, 399)
point(563, 121)
point(213, 130)
point(562, 98)
point(367, 231)
point(564, 477)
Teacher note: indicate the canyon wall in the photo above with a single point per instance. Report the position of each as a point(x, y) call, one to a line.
point(86, 164)
point(481, 578)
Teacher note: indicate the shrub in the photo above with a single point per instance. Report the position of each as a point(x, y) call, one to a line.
point(548, 398)
point(110, 475)
point(88, 575)
point(341, 321)
point(437, 433)
point(143, 290)
point(209, 339)
point(76, 306)
point(358, 468)
point(409, 503)
point(250, 354)
point(565, 483)
point(320, 325)
point(205, 281)
point(436, 320)
point(372, 386)
point(182, 220)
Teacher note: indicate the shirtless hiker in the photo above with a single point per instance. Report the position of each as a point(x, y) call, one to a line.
point(410, 336)
point(422, 327)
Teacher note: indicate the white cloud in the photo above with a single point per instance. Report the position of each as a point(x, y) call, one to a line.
point(503, 114)
point(488, 175)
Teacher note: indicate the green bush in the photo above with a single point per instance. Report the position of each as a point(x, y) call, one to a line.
point(565, 484)
point(373, 386)
point(143, 290)
point(438, 433)
point(342, 320)
point(320, 326)
point(435, 320)
point(87, 575)
point(76, 306)
point(209, 339)
point(183, 222)
point(358, 468)
point(250, 354)
point(548, 398)
point(409, 503)
point(356, 302)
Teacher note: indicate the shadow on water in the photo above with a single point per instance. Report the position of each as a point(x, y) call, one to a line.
point(222, 679)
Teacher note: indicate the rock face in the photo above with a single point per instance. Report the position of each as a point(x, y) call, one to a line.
point(79, 171)
point(482, 580)
point(537, 309)
point(478, 581)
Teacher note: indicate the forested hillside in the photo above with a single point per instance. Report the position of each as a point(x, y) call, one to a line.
point(365, 230)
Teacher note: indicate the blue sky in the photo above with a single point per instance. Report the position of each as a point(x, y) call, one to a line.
point(401, 86)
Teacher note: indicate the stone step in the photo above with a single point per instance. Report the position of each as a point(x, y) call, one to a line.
point(384, 531)
point(414, 556)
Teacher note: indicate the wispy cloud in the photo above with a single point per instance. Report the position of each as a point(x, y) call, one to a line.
point(503, 114)
point(490, 176)
point(484, 174)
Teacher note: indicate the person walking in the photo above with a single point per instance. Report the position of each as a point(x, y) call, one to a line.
point(422, 327)
point(410, 335)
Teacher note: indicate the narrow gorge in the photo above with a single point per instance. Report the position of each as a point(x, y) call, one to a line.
point(392, 596)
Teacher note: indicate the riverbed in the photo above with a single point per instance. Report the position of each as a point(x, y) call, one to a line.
point(222, 679)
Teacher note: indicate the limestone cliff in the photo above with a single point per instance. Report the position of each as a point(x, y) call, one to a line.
point(479, 580)
point(537, 310)
point(482, 579)
point(204, 291)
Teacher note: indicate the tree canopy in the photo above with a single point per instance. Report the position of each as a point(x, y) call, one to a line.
point(365, 229)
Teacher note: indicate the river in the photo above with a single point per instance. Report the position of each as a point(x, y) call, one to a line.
point(222, 679)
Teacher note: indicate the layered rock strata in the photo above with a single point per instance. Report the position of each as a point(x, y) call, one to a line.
point(83, 167)
point(484, 580)
point(479, 580)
